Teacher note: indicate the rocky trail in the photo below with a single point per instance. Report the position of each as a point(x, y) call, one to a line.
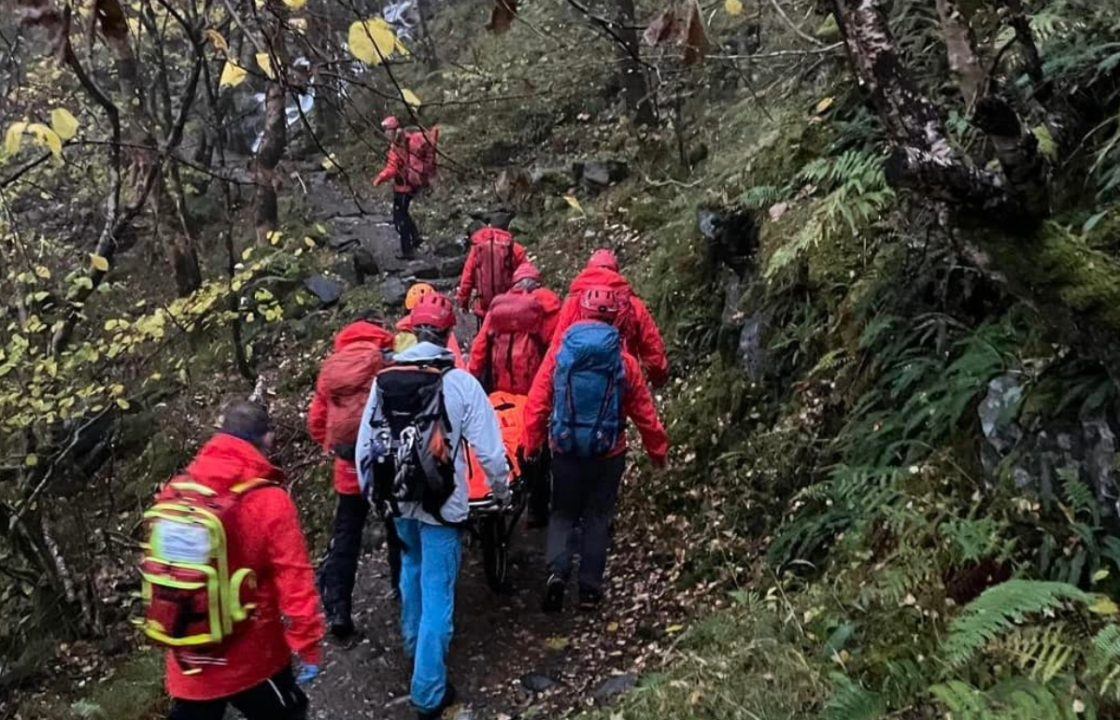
point(508, 659)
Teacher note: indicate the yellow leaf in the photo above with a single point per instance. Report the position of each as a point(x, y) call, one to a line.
point(232, 75)
point(330, 164)
point(274, 237)
point(571, 200)
point(1104, 605)
point(299, 25)
point(65, 125)
point(43, 272)
point(217, 40)
point(410, 97)
point(733, 7)
point(295, 4)
point(122, 403)
point(372, 41)
point(264, 62)
point(556, 644)
point(47, 138)
point(673, 629)
point(31, 460)
point(246, 253)
point(309, 242)
point(14, 138)
point(825, 104)
point(98, 262)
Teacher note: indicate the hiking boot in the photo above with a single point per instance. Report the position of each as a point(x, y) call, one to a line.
point(449, 697)
point(589, 599)
point(553, 595)
point(342, 627)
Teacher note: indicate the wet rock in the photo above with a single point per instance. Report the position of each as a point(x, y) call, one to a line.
point(732, 237)
point(327, 290)
point(752, 348)
point(365, 265)
point(551, 181)
point(393, 291)
point(600, 173)
point(1044, 453)
point(538, 683)
point(447, 247)
point(614, 687)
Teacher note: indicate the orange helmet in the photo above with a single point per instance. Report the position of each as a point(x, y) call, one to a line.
point(598, 303)
point(433, 310)
point(416, 292)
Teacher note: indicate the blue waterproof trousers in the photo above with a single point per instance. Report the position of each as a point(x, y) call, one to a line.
point(429, 569)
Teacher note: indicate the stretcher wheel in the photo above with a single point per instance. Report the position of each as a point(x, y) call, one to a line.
point(494, 536)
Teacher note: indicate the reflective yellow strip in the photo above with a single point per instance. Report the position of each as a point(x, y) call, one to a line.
point(249, 485)
point(196, 487)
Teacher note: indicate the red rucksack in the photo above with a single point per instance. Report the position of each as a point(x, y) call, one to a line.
point(516, 348)
point(493, 273)
point(422, 161)
point(345, 380)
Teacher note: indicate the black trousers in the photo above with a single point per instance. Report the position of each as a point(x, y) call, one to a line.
point(278, 698)
point(538, 480)
point(402, 221)
point(337, 573)
point(584, 498)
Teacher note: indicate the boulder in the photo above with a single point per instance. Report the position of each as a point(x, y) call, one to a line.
point(597, 174)
point(327, 290)
point(537, 682)
point(732, 237)
point(551, 181)
point(393, 291)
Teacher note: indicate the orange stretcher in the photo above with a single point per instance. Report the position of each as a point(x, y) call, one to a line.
point(491, 524)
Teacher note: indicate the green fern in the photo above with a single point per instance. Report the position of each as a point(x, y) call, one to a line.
point(1001, 608)
point(1014, 699)
point(853, 702)
point(1043, 652)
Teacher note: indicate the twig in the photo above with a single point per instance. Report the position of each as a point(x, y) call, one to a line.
point(793, 26)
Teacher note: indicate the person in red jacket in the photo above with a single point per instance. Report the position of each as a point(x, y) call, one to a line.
point(488, 272)
point(332, 421)
point(634, 320)
point(528, 278)
point(396, 169)
point(253, 671)
point(585, 486)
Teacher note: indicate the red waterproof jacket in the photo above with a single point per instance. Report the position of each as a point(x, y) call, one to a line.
point(637, 405)
point(318, 415)
point(639, 330)
point(395, 165)
point(507, 351)
point(263, 534)
point(470, 271)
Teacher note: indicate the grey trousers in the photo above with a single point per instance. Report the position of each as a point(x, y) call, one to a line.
point(584, 498)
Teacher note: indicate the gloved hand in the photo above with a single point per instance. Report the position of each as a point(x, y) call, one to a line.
point(504, 496)
point(306, 674)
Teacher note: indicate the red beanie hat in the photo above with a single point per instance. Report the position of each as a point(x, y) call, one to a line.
point(603, 258)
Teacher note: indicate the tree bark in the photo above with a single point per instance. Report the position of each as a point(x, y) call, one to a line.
point(635, 85)
point(275, 138)
point(961, 49)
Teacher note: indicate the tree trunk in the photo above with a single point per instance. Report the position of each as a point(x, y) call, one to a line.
point(635, 84)
point(275, 138)
point(961, 47)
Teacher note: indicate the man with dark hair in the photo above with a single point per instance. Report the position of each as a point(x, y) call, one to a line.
point(251, 667)
point(421, 412)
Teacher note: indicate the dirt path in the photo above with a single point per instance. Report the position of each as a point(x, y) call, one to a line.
point(508, 659)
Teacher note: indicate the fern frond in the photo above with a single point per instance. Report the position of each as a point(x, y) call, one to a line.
point(1001, 608)
point(852, 701)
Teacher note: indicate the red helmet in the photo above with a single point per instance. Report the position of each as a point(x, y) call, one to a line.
point(598, 303)
point(434, 310)
point(603, 258)
point(526, 271)
point(390, 123)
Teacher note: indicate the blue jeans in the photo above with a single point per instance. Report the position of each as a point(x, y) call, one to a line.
point(429, 569)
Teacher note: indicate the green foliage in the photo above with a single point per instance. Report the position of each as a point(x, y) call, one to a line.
point(1000, 609)
point(1017, 699)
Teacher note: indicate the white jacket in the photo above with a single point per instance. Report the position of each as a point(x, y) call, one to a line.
point(471, 417)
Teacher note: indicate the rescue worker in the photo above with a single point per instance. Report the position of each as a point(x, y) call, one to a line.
point(634, 320)
point(579, 405)
point(253, 670)
point(433, 540)
point(332, 421)
point(406, 338)
point(488, 272)
point(404, 190)
point(506, 354)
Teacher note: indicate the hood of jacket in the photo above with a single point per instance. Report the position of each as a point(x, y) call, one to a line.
point(225, 461)
point(599, 277)
point(364, 331)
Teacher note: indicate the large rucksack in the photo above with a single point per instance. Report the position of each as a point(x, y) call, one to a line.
point(493, 274)
point(193, 595)
point(421, 164)
point(413, 460)
point(344, 380)
point(588, 384)
point(516, 347)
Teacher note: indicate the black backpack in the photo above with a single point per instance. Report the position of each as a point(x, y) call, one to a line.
point(412, 456)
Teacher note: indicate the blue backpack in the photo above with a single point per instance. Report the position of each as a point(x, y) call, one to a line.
point(588, 386)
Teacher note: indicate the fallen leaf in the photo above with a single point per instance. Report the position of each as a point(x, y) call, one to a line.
point(733, 7)
point(13, 139)
point(674, 629)
point(264, 62)
point(64, 124)
point(571, 200)
point(556, 644)
point(232, 75)
point(295, 4)
point(410, 97)
point(372, 41)
point(47, 138)
point(99, 262)
point(777, 210)
point(217, 40)
point(825, 104)
point(501, 16)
